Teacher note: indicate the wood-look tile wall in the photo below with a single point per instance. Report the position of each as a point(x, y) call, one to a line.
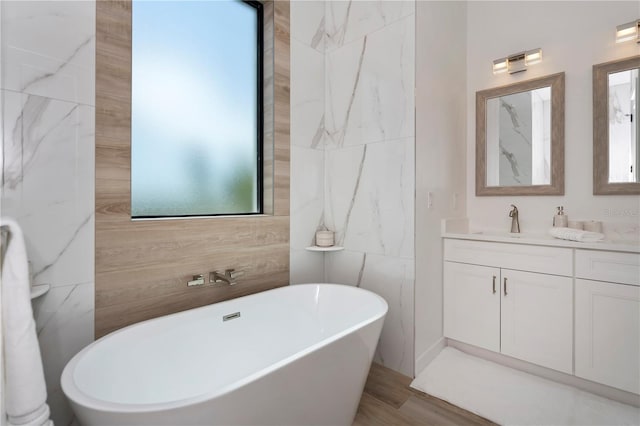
point(142, 267)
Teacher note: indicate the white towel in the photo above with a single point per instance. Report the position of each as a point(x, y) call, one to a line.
point(26, 392)
point(576, 235)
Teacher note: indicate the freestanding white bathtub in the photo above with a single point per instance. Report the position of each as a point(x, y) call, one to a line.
point(296, 355)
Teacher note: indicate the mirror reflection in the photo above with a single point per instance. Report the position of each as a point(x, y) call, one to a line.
point(518, 138)
point(624, 127)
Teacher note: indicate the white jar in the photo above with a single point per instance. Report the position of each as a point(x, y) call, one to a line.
point(324, 238)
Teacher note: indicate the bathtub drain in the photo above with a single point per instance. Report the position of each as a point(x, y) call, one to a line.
point(231, 316)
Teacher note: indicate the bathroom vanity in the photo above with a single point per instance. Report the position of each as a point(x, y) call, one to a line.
point(568, 306)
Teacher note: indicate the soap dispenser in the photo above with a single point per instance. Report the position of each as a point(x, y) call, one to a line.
point(560, 220)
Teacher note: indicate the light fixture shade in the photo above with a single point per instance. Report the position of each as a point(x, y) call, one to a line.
point(518, 62)
point(628, 31)
point(533, 56)
point(500, 65)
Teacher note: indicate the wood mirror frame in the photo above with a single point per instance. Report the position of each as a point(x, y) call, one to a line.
point(601, 184)
point(556, 186)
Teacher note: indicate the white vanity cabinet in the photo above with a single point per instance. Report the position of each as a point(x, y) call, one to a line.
point(607, 332)
point(572, 307)
point(512, 299)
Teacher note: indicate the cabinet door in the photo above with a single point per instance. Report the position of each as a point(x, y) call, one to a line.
point(472, 305)
point(608, 334)
point(537, 318)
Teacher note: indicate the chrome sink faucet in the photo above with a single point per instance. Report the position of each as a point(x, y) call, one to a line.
point(515, 223)
point(230, 276)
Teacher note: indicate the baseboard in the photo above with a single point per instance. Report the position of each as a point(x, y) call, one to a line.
point(429, 355)
point(567, 379)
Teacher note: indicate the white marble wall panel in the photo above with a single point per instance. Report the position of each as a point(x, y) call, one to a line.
point(307, 96)
point(369, 160)
point(370, 197)
point(349, 20)
point(307, 23)
point(307, 195)
point(65, 325)
point(306, 267)
point(48, 49)
point(50, 187)
point(393, 279)
point(369, 87)
point(12, 106)
point(307, 139)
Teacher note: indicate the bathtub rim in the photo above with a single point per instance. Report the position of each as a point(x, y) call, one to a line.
point(77, 396)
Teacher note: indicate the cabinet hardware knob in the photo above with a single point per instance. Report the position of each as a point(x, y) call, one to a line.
point(494, 284)
point(505, 286)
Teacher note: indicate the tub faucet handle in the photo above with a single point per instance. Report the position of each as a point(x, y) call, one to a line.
point(233, 274)
point(229, 276)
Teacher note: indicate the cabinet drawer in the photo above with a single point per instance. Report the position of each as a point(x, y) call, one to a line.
point(548, 260)
point(608, 266)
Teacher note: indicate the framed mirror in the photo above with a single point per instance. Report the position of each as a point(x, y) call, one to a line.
point(616, 127)
point(520, 138)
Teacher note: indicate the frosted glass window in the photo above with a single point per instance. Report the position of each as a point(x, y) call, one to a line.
point(196, 108)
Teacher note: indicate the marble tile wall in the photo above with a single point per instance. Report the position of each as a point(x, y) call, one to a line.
point(307, 138)
point(369, 160)
point(47, 95)
point(352, 154)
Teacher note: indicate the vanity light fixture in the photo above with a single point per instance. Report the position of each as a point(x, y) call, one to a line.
point(517, 62)
point(628, 31)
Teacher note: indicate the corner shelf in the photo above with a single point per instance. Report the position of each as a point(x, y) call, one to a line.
point(39, 290)
point(332, 248)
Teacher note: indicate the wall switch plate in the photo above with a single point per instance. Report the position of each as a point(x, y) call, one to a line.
point(429, 200)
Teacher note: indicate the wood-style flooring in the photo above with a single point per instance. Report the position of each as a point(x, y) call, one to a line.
point(389, 401)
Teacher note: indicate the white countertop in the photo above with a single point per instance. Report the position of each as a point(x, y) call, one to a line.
point(545, 240)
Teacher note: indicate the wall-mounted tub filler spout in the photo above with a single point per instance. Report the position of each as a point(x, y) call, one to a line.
point(515, 223)
point(230, 276)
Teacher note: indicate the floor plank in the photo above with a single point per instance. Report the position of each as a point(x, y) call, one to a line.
point(389, 401)
point(388, 385)
point(373, 412)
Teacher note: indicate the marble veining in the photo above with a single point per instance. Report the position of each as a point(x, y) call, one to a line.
point(361, 272)
point(392, 278)
point(338, 135)
point(515, 120)
point(12, 110)
point(369, 197)
point(40, 78)
point(369, 87)
point(308, 23)
point(513, 162)
point(346, 21)
point(60, 67)
point(352, 202)
point(63, 250)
